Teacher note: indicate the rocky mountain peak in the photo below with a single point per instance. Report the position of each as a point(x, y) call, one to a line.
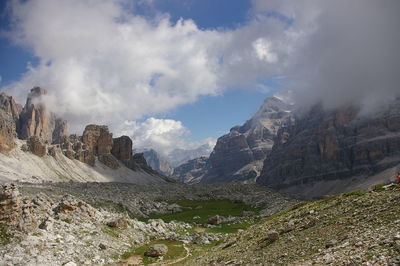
point(239, 155)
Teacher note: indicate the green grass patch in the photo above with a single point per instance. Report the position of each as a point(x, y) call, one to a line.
point(205, 210)
point(229, 228)
point(113, 232)
point(175, 251)
point(378, 188)
point(355, 193)
point(5, 238)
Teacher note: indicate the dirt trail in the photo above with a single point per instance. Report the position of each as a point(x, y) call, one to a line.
point(133, 260)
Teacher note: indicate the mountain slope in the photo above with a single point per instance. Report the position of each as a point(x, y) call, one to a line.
point(326, 152)
point(239, 155)
point(358, 228)
point(27, 167)
point(192, 171)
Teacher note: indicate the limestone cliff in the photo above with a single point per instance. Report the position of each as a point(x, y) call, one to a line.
point(330, 151)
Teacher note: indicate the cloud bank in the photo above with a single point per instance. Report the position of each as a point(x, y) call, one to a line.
point(351, 52)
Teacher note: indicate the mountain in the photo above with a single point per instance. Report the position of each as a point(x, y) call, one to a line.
point(192, 171)
point(239, 155)
point(35, 147)
point(331, 151)
point(180, 156)
point(157, 162)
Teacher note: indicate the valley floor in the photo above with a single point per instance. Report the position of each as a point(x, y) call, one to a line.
point(114, 224)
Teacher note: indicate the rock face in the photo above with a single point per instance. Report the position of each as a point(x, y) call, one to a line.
point(98, 139)
point(157, 163)
point(239, 155)
point(192, 171)
point(326, 152)
point(122, 149)
point(9, 119)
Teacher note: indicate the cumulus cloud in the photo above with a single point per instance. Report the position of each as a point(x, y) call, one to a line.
point(102, 63)
point(162, 135)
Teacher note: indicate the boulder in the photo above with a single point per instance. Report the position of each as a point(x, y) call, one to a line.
point(156, 250)
point(215, 220)
point(272, 236)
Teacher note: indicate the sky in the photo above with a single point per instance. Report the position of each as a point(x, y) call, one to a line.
point(181, 73)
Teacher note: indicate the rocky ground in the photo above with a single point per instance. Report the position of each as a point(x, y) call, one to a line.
point(95, 224)
point(356, 228)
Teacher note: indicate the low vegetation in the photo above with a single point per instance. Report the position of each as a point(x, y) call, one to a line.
point(200, 211)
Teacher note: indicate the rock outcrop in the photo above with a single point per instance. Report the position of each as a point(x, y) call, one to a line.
point(99, 142)
point(157, 162)
point(10, 206)
point(73, 148)
point(331, 151)
point(239, 155)
point(192, 171)
point(9, 119)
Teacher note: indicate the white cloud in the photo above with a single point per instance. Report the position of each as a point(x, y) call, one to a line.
point(1, 79)
point(162, 135)
point(103, 64)
point(262, 48)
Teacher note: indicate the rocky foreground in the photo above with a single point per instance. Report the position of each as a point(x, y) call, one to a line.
point(96, 223)
point(356, 228)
